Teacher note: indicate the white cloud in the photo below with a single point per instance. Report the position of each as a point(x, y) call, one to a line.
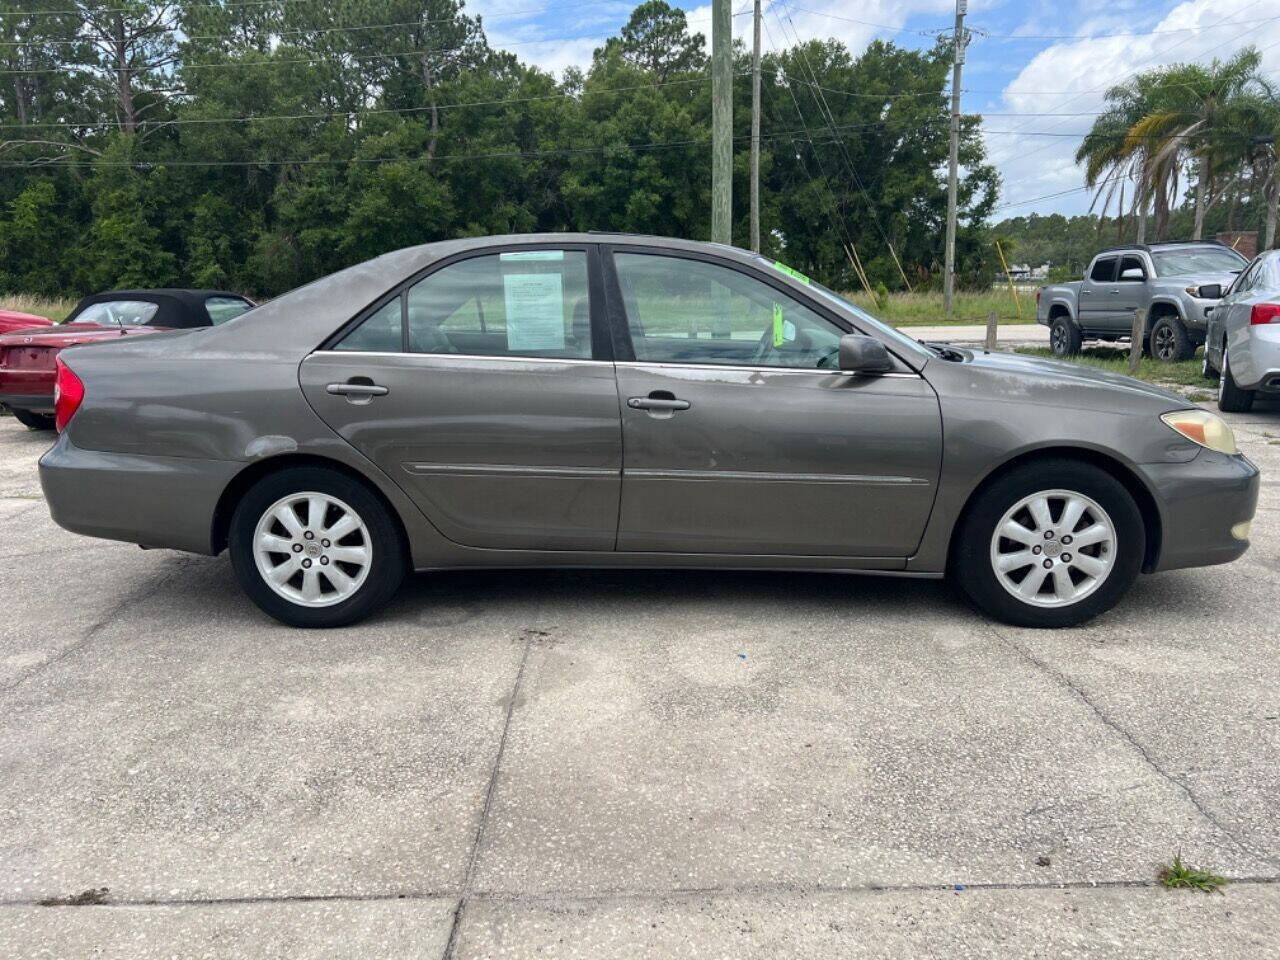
point(1071, 77)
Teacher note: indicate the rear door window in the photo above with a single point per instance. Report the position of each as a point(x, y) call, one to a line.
point(1104, 270)
point(121, 312)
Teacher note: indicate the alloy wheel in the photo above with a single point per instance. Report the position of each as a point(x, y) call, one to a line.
point(1053, 548)
point(1163, 345)
point(312, 549)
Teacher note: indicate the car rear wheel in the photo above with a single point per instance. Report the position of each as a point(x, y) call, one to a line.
point(1050, 544)
point(1169, 341)
point(1231, 399)
point(1064, 338)
point(314, 547)
point(36, 421)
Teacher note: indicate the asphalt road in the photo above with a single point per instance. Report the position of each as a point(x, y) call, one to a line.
point(629, 764)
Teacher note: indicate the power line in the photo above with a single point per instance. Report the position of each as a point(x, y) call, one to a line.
point(352, 114)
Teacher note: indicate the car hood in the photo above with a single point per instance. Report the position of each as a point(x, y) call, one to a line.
point(67, 334)
point(1057, 381)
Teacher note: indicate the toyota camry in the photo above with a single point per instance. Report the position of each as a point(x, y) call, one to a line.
point(596, 400)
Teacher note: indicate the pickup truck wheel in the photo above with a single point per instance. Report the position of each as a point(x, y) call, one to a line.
point(1169, 341)
point(36, 421)
point(1064, 338)
point(1231, 399)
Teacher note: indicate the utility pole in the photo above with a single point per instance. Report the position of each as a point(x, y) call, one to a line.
point(949, 274)
point(755, 131)
point(721, 121)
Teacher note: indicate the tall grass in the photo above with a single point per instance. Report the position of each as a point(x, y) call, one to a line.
point(925, 309)
point(55, 308)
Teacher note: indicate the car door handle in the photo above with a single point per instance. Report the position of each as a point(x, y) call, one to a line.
point(657, 403)
point(356, 389)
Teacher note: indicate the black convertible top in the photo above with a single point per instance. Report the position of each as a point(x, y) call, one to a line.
point(178, 308)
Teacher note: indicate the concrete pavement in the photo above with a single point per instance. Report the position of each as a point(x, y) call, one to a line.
point(629, 764)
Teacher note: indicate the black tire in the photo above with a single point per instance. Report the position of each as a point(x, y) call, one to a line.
point(1064, 337)
point(36, 421)
point(971, 562)
point(386, 567)
point(1231, 399)
point(1169, 341)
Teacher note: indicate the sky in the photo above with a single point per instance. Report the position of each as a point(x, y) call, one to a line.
point(1035, 69)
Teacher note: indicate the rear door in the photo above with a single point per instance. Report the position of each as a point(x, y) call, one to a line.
point(486, 390)
point(741, 435)
point(1097, 291)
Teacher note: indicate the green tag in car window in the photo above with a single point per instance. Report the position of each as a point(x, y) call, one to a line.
point(793, 274)
point(777, 325)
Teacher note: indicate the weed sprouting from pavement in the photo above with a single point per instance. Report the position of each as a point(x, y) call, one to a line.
point(1178, 875)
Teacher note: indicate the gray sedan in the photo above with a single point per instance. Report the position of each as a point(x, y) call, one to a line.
point(621, 401)
point(1242, 345)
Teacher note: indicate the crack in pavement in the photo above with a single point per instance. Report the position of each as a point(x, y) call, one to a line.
point(1114, 725)
point(623, 895)
point(139, 595)
point(451, 946)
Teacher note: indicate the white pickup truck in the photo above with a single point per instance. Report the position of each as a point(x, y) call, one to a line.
point(1162, 277)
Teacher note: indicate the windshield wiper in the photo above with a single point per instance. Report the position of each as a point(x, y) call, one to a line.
point(945, 350)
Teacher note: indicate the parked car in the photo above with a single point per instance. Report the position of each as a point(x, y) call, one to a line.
point(11, 320)
point(1164, 278)
point(623, 401)
point(1242, 351)
point(27, 357)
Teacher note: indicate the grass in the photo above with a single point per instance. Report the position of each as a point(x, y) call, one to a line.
point(1116, 359)
point(1178, 876)
point(55, 308)
point(968, 308)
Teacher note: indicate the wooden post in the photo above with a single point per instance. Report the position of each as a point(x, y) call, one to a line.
point(991, 332)
point(721, 121)
point(755, 131)
point(1136, 337)
point(960, 39)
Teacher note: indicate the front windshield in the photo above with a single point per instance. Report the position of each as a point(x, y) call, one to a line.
point(864, 318)
point(1197, 260)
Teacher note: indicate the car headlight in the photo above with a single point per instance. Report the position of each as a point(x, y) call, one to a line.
point(1202, 427)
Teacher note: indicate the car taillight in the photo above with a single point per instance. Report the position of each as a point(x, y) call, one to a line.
point(68, 392)
point(1265, 313)
point(1037, 296)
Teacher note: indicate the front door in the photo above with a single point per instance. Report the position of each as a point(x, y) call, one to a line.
point(1131, 293)
point(481, 390)
point(740, 433)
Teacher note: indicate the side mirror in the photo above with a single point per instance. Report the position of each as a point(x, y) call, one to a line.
point(1209, 291)
point(859, 354)
point(1133, 273)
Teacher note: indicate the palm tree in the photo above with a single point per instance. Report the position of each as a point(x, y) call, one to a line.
point(1109, 158)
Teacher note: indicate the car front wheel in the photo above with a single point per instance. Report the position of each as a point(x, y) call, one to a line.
point(314, 547)
point(1050, 544)
point(1169, 341)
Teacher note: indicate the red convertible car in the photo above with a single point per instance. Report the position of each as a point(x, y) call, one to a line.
point(11, 320)
point(27, 356)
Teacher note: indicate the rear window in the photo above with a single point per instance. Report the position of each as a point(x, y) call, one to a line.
point(222, 309)
point(122, 312)
point(1104, 270)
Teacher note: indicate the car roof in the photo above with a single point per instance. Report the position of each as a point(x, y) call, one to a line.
point(188, 296)
point(1164, 245)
